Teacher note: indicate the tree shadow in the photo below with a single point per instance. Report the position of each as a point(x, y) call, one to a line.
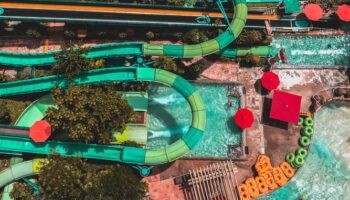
point(260, 89)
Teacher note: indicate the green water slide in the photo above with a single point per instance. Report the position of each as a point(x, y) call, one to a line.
point(19, 171)
point(132, 155)
point(145, 49)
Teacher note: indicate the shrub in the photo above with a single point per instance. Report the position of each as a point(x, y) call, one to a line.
point(88, 114)
point(195, 36)
point(64, 178)
point(72, 62)
point(33, 33)
point(149, 35)
point(168, 64)
point(249, 38)
point(5, 117)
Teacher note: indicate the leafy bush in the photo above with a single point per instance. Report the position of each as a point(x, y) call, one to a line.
point(88, 113)
point(63, 178)
point(72, 62)
point(249, 38)
point(168, 64)
point(33, 33)
point(195, 36)
point(5, 117)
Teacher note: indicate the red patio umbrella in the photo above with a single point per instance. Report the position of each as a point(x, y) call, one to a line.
point(244, 118)
point(343, 12)
point(270, 80)
point(40, 131)
point(285, 106)
point(313, 11)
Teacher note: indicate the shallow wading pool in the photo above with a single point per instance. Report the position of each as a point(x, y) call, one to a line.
point(169, 117)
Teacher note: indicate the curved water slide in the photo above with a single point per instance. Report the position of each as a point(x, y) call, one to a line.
point(19, 171)
point(132, 155)
point(146, 49)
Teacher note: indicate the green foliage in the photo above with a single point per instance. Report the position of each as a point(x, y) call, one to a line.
point(33, 33)
point(4, 78)
point(11, 110)
point(250, 60)
point(175, 2)
point(195, 36)
point(249, 38)
point(72, 62)
point(5, 117)
point(22, 191)
point(149, 35)
point(131, 144)
point(88, 113)
point(69, 34)
point(65, 178)
point(193, 71)
point(332, 2)
point(133, 86)
point(168, 64)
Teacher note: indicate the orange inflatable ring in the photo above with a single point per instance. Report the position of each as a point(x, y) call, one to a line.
point(243, 192)
point(260, 181)
point(271, 183)
point(279, 177)
point(252, 187)
point(244, 196)
point(287, 169)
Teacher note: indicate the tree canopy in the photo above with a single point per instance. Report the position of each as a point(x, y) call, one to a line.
point(71, 178)
point(71, 61)
point(88, 113)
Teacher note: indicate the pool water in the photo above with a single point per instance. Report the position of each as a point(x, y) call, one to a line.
point(169, 117)
point(322, 51)
point(325, 174)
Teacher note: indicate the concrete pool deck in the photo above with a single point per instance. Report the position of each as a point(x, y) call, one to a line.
point(273, 141)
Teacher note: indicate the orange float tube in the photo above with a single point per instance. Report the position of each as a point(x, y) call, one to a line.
point(243, 192)
point(252, 187)
point(287, 169)
point(260, 181)
point(270, 182)
point(279, 176)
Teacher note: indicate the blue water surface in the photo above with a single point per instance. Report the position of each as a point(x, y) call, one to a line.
point(325, 174)
point(169, 117)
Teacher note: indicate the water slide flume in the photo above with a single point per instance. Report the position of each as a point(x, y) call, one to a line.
point(131, 155)
point(146, 49)
point(19, 171)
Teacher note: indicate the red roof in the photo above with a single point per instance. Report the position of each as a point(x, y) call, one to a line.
point(285, 106)
point(270, 80)
point(343, 12)
point(40, 131)
point(244, 118)
point(313, 11)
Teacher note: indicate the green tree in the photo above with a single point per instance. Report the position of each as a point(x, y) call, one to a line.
point(5, 117)
point(149, 35)
point(63, 178)
point(72, 62)
point(88, 113)
point(168, 64)
point(249, 38)
point(195, 36)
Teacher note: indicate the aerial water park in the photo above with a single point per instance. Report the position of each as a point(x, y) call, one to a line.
point(174, 99)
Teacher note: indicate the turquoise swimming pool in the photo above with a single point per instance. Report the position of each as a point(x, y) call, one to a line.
point(326, 172)
point(321, 51)
point(169, 117)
